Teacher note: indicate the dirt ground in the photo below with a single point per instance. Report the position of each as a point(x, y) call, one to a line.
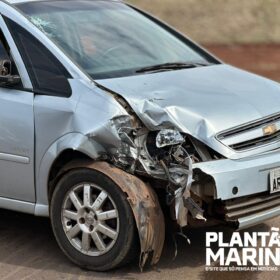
point(220, 21)
point(28, 251)
point(260, 59)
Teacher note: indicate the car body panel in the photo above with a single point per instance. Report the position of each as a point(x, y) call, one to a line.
point(17, 145)
point(82, 127)
point(249, 175)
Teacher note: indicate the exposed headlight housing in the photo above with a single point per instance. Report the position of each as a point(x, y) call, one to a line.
point(169, 137)
point(170, 142)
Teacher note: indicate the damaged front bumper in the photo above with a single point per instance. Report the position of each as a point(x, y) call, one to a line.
point(201, 186)
point(242, 188)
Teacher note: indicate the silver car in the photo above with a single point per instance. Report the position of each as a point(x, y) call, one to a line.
point(110, 118)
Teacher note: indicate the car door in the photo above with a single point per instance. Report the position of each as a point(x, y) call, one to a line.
point(16, 129)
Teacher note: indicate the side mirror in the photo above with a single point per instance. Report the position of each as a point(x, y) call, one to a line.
point(6, 77)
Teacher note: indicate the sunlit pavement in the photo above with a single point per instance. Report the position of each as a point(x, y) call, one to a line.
point(28, 251)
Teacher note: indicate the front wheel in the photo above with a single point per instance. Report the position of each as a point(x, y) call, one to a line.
point(92, 221)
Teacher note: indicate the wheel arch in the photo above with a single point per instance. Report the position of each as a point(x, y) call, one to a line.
point(77, 145)
point(56, 171)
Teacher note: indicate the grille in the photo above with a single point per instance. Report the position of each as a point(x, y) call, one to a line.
point(250, 144)
point(239, 208)
point(250, 126)
point(256, 142)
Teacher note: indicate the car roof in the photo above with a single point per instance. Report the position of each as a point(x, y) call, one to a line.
point(19, 1)
point(27, 1)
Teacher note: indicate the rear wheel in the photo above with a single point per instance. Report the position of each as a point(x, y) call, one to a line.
point(92, 221)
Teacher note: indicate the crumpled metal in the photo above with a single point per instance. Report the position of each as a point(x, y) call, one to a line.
point(183, 193)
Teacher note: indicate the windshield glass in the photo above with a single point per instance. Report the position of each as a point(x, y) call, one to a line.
point(108, 39)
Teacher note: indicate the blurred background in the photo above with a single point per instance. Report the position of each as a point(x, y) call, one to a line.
point(245, 33)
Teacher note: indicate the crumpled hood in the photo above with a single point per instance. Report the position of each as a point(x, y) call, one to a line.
point(201, 101)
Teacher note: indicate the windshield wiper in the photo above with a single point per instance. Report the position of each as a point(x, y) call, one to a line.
point(171, 66)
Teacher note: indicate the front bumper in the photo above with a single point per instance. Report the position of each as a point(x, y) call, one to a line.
point(250, 175)
point(252, 204)
point(258, 218)
point(249, 211)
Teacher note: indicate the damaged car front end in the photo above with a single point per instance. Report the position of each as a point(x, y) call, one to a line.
point(150, 122)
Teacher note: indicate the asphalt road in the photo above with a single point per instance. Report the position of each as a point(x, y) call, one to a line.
point(28, 251)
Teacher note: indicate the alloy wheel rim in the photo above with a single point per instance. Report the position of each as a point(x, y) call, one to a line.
point(90, 219)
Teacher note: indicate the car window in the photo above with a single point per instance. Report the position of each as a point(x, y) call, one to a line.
point(48, 75)
point(3, 51)
point(108, 39)
point(5, 55)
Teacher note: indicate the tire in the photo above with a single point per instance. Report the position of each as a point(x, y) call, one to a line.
point(93, 247)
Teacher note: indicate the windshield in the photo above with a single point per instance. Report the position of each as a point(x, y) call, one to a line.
point(108, 39)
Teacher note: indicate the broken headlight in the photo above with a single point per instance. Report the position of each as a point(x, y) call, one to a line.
point(172, 146)
point(169, 137)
